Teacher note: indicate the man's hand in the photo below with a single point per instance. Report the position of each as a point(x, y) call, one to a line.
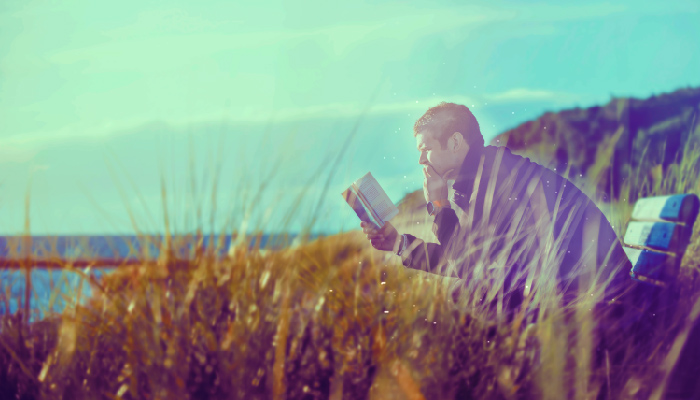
point(434, 186)
point(386, 238)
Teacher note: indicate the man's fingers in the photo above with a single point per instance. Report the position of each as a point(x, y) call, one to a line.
point(377, 242)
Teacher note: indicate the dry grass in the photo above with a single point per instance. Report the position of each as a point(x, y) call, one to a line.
point(331, 318)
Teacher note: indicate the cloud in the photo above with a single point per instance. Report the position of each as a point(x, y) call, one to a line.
point(170, 37)
point(518, 95)
point(352, 110)
point(171, 49)
point(41, 167)
point(245, 115)
point(16, 146)
point(16, 154)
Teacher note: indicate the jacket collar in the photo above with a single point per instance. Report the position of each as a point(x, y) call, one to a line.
point(464, 183)
point(469, 168)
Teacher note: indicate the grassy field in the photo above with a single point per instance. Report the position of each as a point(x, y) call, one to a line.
point(331, 318)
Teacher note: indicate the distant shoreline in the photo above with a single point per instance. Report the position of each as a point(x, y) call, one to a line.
point(114, 246)
point(124, 246)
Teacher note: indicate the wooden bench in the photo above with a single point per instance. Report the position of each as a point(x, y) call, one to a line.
point(655, 241)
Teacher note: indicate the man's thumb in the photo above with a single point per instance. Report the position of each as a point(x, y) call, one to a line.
point(384, 228)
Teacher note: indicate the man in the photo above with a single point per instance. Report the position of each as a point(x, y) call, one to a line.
point(492, 206)
point(514, 233)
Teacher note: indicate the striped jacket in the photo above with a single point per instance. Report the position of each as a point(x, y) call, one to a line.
point(516, 221)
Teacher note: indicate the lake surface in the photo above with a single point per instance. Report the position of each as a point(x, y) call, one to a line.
point(53, 289)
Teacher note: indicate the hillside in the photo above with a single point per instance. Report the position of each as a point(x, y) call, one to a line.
point(623, 137)
point(624, 142)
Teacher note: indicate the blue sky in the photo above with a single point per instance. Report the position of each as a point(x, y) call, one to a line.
point(141, 86)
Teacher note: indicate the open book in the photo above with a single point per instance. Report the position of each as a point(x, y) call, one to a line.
point(370, 202)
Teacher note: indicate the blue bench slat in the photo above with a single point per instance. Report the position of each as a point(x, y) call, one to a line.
point(656, 235)
point(676, 207)
point(649, 264)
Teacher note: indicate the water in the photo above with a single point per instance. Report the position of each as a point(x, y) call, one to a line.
point(54, 289)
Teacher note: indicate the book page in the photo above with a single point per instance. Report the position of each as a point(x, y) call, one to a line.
point(377, 198)
point(362, 211)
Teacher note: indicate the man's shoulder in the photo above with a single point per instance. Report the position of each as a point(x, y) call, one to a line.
point(521, 169)
point(523, 164)
point(508, 159)
point(518, 169)
point(509, 165)
point(492, 150)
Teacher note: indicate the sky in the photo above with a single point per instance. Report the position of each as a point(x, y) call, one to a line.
point(106, 107)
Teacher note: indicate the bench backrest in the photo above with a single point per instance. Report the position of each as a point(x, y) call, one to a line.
point(658, 235)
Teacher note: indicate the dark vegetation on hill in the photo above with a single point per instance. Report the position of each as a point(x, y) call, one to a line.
point(646, 135)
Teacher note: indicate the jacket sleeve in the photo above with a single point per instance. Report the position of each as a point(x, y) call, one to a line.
point(429, 257)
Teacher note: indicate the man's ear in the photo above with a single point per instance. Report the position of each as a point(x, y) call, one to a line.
point(456, 141)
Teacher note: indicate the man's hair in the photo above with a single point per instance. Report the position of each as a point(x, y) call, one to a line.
point(448, 118)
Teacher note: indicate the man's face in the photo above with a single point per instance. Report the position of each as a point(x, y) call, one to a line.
point(432, 153)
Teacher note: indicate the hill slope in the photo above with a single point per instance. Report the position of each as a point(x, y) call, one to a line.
point(625, 142)
point(613, 137)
